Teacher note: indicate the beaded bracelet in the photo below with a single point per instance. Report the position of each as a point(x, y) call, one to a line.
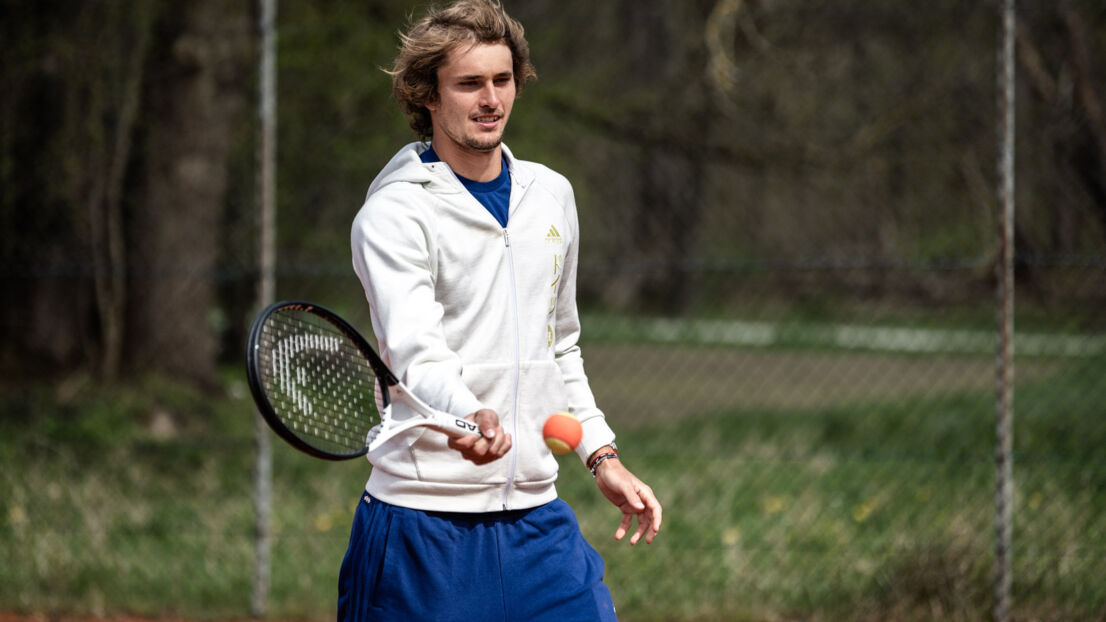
point(599, 460)
point(595, 460)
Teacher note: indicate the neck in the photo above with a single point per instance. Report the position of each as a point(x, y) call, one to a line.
point(469, 163)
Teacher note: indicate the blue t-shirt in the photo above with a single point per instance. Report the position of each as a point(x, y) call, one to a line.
point(494, 195)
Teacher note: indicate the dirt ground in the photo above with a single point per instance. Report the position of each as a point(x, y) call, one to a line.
point(42, 617)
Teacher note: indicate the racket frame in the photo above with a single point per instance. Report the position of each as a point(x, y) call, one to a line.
point(390, 390)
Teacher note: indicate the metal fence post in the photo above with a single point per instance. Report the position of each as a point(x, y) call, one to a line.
point(1004, 485)
point(266, 288)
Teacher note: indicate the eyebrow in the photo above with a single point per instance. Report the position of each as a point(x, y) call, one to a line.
point(477, 76)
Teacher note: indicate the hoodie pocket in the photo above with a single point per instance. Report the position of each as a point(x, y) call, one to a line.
point(436, 462)
point(541, 393)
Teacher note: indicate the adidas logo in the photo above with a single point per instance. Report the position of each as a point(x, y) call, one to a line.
point(553, 236)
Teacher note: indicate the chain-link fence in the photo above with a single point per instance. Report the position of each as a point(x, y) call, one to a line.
point(789, 224)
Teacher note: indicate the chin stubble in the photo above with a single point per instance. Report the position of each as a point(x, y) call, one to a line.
point(477, 145)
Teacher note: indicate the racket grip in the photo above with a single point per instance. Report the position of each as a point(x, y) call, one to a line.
point(455, 426)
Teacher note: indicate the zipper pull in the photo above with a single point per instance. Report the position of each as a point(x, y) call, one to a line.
point(506, 239)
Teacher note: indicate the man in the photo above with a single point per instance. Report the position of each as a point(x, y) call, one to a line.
point(468, 260)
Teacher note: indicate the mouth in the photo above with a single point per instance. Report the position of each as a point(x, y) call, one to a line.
point(488, 121)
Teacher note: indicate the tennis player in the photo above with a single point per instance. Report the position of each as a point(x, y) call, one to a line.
point(468, 259)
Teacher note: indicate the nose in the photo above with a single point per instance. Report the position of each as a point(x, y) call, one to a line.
point(489, 96)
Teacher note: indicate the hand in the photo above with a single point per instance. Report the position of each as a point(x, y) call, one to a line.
point(633, 497)
point(492, 444)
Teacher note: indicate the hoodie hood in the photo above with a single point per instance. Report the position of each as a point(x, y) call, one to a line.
point(406, 167)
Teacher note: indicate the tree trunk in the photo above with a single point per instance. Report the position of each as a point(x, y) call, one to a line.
point(107, 243)
point(194, 105)
point(670, 179)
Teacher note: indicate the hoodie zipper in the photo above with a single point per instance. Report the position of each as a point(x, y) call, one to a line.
point(518, 364)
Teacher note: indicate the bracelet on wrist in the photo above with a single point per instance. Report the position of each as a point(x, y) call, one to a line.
point(598, 453)
point(600, 459)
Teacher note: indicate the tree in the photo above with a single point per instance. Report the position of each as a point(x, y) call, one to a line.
point(118, 124)
point(195, 100)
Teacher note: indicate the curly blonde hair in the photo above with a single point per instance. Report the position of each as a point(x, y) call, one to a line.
point(425, 46)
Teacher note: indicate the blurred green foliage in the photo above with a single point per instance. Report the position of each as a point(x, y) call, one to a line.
point(870, 510)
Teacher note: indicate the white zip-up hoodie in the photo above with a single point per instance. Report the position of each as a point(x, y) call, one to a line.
point(473, 315)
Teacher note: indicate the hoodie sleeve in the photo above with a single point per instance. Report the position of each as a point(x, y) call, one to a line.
point(581, 400)
point(394, 258)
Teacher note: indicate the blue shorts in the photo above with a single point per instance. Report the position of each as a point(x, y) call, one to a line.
point(523, 565)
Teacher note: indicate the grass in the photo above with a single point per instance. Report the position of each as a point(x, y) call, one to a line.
point(799, 515)
point(138, 500)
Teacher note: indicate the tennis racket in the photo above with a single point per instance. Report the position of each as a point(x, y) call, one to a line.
point(322, 388)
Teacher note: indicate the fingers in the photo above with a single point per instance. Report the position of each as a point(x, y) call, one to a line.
point(488, 421)
point(491, 444)
point(624, 526)
point(480, 450)
point(639, 502)
point(498, 444)
point(654, 511)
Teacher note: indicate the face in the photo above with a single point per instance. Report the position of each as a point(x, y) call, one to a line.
point(476, 89)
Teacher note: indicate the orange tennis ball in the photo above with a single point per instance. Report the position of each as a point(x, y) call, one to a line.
point(562, 432)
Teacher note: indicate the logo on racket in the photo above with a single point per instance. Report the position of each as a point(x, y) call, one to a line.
point(290, 376)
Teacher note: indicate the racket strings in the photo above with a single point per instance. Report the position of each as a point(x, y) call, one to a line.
point(318, 380)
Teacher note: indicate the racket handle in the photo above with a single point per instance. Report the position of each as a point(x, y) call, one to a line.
point(454, 426)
